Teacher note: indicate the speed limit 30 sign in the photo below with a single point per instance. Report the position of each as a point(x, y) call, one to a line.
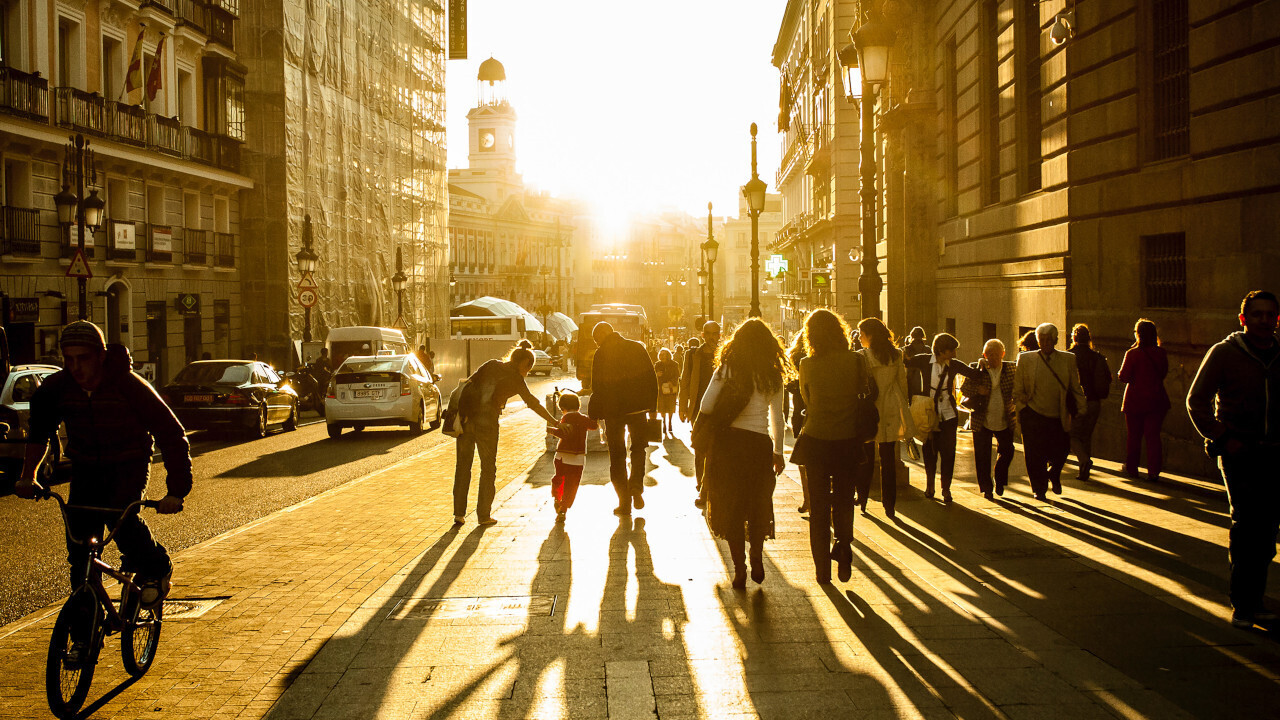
point(308, 298)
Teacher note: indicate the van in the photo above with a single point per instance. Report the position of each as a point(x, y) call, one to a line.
point(364, 340)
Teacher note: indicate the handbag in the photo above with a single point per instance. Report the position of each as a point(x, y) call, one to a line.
point(451, 421)
point(1073, 408)
point(924, 411)
point(729, 405)
point(653, 431)
point(866, 416)
point(668, 388)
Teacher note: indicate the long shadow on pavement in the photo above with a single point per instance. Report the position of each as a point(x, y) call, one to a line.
point(321, 455)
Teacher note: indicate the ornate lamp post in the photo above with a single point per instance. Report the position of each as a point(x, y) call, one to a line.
point(866, 61)
point(306, 259)
point(754, 192)
point(710, 249)
point(86, 213)
point(702, 292)
point(398, 283)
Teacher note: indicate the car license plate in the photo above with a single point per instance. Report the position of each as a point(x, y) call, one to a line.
point(367, 393)
point(198, 398)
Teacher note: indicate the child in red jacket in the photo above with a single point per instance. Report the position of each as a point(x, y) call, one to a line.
point(571, 453)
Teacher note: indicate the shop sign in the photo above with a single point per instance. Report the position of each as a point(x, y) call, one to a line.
point(821, 280)
point(122, 233)
point(457, 29)
point(24, 310)
point(187, 303)
point(162, 239)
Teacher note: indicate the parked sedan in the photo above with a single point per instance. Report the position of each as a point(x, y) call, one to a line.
point(15, 410)
point(382, 390)
point(232, 395)
point(542, 363)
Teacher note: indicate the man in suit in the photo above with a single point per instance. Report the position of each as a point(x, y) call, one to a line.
point(989, 400)
point(1047, 393)
point(624, 393)
point(934, 376)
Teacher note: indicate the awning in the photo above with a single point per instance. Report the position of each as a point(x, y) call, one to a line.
point(561, 326)
point(496, 307)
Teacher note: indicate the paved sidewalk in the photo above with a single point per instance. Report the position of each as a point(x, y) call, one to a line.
point(366, 603)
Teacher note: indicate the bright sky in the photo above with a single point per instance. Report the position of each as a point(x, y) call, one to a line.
point(631, 106)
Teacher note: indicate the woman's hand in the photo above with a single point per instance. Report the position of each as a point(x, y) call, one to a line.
point(779, 463)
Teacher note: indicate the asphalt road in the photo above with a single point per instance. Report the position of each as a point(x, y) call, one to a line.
point(236, 481)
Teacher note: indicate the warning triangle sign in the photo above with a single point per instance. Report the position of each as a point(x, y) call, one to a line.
point(308, 282)
point(399, 323)
point(79, 267)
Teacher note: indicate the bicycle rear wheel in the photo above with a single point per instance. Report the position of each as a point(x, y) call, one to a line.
point(140, 637)
point(67, 685)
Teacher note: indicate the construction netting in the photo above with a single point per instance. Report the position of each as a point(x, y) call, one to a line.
point(358, 145)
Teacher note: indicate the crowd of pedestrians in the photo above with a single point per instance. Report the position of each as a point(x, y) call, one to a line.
point(855, 400)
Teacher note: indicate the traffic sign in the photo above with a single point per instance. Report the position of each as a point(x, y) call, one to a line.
point(79, 266)
point(399, 323)
point(308, 282)
point(308, 298)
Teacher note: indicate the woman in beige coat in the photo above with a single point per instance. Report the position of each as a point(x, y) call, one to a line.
point(890, 376)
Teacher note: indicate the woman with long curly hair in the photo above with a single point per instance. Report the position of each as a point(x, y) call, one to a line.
point(745, 400)
point(831, 378)
point(890, 375)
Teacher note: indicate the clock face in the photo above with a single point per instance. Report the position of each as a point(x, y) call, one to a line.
point(486, 140)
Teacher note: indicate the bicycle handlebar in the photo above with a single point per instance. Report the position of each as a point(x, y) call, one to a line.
point(47, 494)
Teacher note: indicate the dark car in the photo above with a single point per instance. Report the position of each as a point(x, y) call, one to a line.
point(232, 395)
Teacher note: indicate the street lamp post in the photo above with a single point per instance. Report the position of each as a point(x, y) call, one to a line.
point(546, 307)
point(77, 167)
point(398, 282)
point(710, 249)
point(754, 191)
point(870, 47)
point(702, 292)
point(306, 258)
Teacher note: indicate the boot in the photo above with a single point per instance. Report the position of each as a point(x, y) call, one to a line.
point(757, 563)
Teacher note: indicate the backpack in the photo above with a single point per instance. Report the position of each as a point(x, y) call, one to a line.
point(451, 420)
point(1101, 376)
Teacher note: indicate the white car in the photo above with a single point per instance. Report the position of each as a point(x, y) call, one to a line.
point(382, 390)
point(15, 410)
point(541, 363)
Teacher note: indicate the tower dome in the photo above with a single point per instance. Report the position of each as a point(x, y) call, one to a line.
point(491, 83)
point(491, 71)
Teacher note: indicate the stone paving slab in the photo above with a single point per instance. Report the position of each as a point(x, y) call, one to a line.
point(365, 603)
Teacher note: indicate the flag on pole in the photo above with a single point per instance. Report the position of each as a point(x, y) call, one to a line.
point(154, 80)
point(133, 79)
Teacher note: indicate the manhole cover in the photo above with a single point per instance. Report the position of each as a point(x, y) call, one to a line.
point(1031, 553)
point(465, 607)
point(190, 608)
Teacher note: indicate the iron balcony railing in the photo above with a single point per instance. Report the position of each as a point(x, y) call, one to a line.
point(165, 135)
point(193, 13)
point(21, 231)
point(224, 245)
point(226, 152)
point(197, 145)
point(126, 123)
point(195, 247)
point(79, 110)
point(222, 23)
point(24, 94)
point(166, 5)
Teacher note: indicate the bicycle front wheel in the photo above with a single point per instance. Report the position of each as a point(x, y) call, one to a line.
point(140, 637)
point(67, 683)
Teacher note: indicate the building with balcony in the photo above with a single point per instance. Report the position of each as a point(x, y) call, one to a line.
point(166, 260)
point(347, 128)
point(507, 240)
point(818, 175)
point(1125, 169)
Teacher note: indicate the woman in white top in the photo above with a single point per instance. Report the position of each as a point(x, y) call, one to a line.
point(890, 375)
point(744, 399)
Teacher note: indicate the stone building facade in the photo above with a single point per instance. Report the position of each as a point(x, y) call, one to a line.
point(347, 128)
point(165, 263)
point(1129, 171)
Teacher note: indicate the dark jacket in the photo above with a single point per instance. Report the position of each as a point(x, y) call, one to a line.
point(115, 423)
point(1095, 372)
point(914, 348)
point(622, 379)
point(1236, 392)
point(920, 374)
point(829, 386)
point(489, 389)
point(699, 366)
point(976, 403)
point(1144, 369)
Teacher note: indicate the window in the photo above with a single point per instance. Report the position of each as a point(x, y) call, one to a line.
point(118, 199)
point(187, 98)
point(12, 49)
point(1170, 102)
point(221, 215)
point(70, 60)
point(17, 183)
point(112, 68)
point(951, 326)
point(1029, 92)
point(155, 205)
point(191, 211)
point(224, 98)
point(989, 88)
point(988, 331)
point(1164, 270)
point(950, 124)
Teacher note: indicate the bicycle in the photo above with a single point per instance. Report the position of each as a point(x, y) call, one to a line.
point(67, 683)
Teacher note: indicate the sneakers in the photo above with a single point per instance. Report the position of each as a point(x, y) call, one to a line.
point(487, 522)
point(1244, 621)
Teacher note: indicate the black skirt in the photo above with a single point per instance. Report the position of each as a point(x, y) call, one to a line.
point(740, 484)
point(844, 452)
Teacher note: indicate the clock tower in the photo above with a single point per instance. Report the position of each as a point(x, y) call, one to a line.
point(492, 123)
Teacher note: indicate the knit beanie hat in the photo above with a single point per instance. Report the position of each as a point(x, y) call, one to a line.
point(83, 332)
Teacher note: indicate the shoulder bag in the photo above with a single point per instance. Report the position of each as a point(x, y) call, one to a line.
point(924, 410)
point(451, 421)
point(729, 405)
point(1073, 408)
point(866, 416)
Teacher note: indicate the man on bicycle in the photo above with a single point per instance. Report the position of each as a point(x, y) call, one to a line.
point(111, 415)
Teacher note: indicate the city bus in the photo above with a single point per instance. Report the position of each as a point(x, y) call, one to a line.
point(630, 321)
point(488, 327)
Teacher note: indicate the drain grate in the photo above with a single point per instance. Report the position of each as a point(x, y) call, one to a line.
point(473, 607)
point(190, 608)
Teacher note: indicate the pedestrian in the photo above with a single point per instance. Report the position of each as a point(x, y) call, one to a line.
point(831, 378)
point(1048, 395)
point(679, 356)
point(668, 373)
point(795, 412)
point(483, 399)
point(1234, 403)
point(992, 416)
point(1095, 380)
point(1028, 342)
point(934, 376)
point(1145, 400)
point(745, 457)
point(885, 362)
point(625, 394)
point(525, 343)
point(111, 418)
point(699, 364)
point(571, 451)
point(915, 344)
